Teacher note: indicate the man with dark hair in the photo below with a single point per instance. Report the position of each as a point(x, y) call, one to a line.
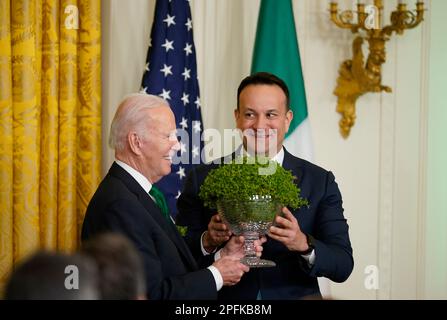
point(264, 78)
point(120, 269)
point(53, 276)
point(305, 244)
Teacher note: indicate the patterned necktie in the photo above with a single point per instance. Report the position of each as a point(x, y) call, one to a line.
point(160, 201)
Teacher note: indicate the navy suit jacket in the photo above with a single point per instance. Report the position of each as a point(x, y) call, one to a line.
point(291, 278)
point(121, 205)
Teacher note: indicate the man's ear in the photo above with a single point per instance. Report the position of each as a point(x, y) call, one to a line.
point(236, 114)
point(134, 142)
point(289, 117)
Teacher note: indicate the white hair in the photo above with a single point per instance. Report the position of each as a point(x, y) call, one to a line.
point(129, 116)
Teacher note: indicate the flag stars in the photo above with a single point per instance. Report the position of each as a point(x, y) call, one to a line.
point(185, 98)
point(195, 151)
point(168, 45)
point(166, 94)
point(188, 24)
point(186, 73)
point(169, 20)
point(188, 49)
point(166, 70)
point(182, 148)
point(196, 126)
point(171, 59)
point(181, 172)
point(184, 123)
point(197, 102)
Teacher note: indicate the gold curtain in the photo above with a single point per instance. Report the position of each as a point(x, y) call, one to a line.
point(50, 130)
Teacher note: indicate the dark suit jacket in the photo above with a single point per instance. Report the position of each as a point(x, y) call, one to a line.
point(121, 205)
point(291, 278)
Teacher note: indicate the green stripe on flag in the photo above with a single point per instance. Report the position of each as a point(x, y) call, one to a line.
point(276, 51)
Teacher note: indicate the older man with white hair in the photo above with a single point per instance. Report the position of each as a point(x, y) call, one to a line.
point(143, 134)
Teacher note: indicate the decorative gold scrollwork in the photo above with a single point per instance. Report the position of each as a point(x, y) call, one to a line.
point(355, 77)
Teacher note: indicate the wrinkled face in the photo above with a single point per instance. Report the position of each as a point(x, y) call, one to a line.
point(263, 118)
point(160, 144)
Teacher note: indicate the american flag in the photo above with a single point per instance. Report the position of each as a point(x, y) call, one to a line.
point(171, 72)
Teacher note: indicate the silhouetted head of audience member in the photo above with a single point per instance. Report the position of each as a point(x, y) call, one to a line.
point(120, 267)
point(53, 276)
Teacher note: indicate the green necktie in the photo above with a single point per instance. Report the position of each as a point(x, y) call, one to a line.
point(160, 201)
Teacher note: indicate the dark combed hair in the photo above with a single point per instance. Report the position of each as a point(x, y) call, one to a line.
point(266, 78)
point(44, 276)
point(120, 267)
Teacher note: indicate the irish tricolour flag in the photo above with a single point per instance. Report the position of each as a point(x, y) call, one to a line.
point(276, 51)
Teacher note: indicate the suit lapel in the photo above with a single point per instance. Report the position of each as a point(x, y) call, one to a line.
point(155, 212)
point(169, 228)
point(293, 164)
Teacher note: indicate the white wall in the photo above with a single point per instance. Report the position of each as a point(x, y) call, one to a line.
point(435, 247)
point(381, 168)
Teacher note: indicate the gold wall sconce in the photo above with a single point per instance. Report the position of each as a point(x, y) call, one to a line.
point(355, 76)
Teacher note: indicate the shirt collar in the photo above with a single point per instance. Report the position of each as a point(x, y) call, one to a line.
point(279, 157)
point(142, 180)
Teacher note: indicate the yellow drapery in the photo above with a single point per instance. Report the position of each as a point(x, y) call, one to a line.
point(50, 129)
